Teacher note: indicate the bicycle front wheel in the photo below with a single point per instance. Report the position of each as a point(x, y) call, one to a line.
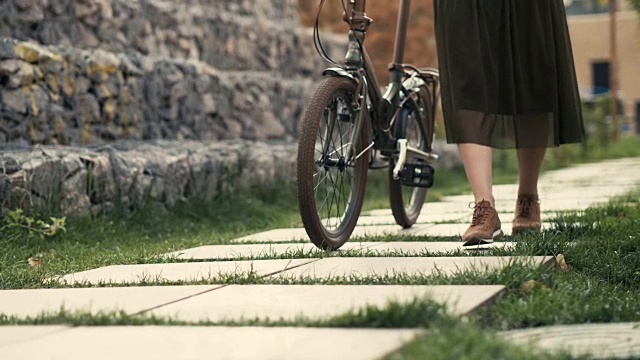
point(332, 170)
point(407, 201)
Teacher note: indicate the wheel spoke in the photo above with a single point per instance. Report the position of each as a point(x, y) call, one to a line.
point(331, 202)
point(334, 144)
point(330, 189)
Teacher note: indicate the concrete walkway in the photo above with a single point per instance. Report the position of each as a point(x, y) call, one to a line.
point(278, 256)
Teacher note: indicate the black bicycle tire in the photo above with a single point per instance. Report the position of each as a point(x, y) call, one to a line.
point(407, 216)
point(318, 234)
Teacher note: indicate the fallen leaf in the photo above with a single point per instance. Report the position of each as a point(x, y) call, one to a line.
point(528, 287)
point(34, 262)
point(561, 263)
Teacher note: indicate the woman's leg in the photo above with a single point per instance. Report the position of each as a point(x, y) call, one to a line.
point(527, 214)
point(529, 166)
point(485, 224)
point(477, 160)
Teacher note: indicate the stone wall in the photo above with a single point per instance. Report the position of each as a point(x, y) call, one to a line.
point(86, 72)
point(83, 181)
point(91, 181)
point(252, 35)
point(61, 95)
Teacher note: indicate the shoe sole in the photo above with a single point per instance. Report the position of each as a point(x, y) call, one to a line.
point(474, 241)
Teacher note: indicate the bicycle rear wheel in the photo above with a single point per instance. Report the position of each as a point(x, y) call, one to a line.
point(407, 201)
point(332, 173)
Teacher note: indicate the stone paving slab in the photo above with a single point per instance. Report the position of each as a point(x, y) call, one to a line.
point(461, 210)
point(174, 272)
point(150, 273)
point(426, 218)
point(389, 266)
point(572, 193)
point(204, 343)
point(299, 234)
point(10, 335)
point(564, 184)
point(552, 206)
point(450, 230)
point(558, 181)
point(459, 229)
point(554, 202)
point(627, 173)
point(598, 341)
point(548, 207)
point(33, 302)
point(438, 208)
point(234, 252)
point(423, 248)
point(506, 217)
point(223, 252)
point(550, 193)
point(317, 302)
point(503, 190)
point(275, 235)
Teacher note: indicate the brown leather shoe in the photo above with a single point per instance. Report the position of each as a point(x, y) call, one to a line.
point(485, 225)
point(527, 217)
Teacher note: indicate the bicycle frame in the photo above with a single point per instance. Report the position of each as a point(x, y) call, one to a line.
point(331, 169)
point(358, 58)
point(360, 68)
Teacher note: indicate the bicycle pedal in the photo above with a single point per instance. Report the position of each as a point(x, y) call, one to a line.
point(417, 175)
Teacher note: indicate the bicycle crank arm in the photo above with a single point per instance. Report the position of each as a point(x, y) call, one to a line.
point(421, 154)
point(402, 157)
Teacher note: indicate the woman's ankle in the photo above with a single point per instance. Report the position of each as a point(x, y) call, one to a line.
point(488, 198)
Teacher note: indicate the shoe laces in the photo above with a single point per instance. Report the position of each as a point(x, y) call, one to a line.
point(525, 205)
point(481, 212)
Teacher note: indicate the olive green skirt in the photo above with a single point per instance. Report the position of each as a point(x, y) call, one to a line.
point(507, 73)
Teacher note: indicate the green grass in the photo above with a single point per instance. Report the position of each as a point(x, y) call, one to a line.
point(317, 253)
point(141, 237)
point(600, 284)
point(465, 339)
point(602, 281)
point(411, 314)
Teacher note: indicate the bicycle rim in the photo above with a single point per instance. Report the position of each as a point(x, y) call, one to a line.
point(331, 180)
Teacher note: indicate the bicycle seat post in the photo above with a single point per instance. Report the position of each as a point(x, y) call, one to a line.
point(360, 22)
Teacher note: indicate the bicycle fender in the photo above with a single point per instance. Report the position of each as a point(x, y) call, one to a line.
point(338, 72)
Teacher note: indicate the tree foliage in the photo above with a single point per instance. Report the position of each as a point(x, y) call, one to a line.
point(635, 4)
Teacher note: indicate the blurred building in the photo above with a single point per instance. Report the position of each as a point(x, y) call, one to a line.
point(589, 27)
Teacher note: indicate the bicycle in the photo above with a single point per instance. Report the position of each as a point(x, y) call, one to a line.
point(350, 126)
